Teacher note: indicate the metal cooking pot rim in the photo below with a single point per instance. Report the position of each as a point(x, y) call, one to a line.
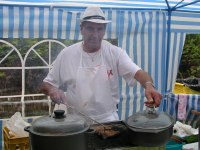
point(148, 130)
point(62, 125)
point(153, 128)
point(150, 121)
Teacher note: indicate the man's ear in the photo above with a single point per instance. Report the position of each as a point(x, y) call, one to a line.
point(81, 27)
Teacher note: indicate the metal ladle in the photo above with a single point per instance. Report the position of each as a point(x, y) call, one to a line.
point(68, 106)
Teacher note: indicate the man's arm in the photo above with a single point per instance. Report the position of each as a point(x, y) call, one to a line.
point(56, 95)
point(143, 77)
point(152, 95)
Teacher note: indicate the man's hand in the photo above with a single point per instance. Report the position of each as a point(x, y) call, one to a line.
point(57, 96)
point(153, 96)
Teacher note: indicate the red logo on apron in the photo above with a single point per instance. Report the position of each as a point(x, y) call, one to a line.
point(109, 72)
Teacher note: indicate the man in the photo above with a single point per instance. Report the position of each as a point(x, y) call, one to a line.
point(91, 69)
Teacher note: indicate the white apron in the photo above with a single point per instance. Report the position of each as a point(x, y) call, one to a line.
point(94, 92)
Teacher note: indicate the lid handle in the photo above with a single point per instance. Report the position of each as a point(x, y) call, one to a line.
point(150, 107)
point(151, 110)
point(59, 113)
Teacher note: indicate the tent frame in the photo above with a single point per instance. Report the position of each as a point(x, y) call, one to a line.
point(170, 10)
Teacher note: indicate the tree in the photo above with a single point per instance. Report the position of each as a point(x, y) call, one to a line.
point(190, 60)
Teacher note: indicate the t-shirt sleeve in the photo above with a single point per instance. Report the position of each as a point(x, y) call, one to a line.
point(127, 68)
point(53, 77)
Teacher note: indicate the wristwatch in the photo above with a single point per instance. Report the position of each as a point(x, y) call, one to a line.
point(148, 82)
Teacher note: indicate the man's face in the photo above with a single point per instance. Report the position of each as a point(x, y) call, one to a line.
point(93, 34)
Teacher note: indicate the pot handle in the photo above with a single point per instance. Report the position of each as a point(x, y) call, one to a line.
point(59, 114)
point(151, 110)
point(27, 128)
point(150, 107)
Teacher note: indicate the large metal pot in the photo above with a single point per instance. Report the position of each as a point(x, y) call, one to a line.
point(58, 133)
point(150, 128)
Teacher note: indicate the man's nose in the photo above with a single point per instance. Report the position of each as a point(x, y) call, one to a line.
point(96, 33)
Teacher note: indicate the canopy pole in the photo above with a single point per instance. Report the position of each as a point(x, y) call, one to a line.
point(167, 4)
point(168, 42)
point(167, 51)
point(186, 4)
point(177, 4)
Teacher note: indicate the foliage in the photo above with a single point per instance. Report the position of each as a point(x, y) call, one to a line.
point(190, 60)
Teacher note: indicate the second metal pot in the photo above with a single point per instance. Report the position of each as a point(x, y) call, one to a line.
point(58, 133)
point(150, 128)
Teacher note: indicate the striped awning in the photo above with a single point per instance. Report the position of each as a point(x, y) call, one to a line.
point(186, 5)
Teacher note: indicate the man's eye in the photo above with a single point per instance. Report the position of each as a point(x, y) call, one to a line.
point(100, 29)
point(90, 29)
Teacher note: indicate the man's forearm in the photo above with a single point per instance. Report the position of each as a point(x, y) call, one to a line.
point(144, 78)
point(152, 95)
point(46, 88)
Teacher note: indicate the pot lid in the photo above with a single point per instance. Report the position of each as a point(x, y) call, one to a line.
point(148, 120)
point(59, 124)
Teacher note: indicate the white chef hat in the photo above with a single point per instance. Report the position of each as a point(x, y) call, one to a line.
point(94, 14)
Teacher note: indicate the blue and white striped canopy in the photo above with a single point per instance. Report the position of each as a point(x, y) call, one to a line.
point(152, 33)
point(184, 5)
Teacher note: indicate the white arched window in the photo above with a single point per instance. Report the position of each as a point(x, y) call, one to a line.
point(22, 72)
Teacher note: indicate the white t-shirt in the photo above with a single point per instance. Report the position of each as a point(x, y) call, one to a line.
point(118, 63)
